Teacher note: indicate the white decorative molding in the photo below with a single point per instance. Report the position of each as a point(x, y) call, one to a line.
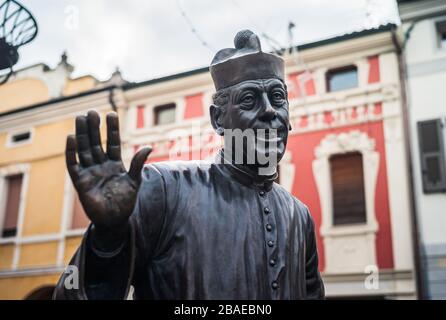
point(348, 248)
point(287, 171)
point(390, 283)
point(24, 169)
point(39, 271)
point(398, 190)
point(55, 79)
point(56, 111)
point(12, 144)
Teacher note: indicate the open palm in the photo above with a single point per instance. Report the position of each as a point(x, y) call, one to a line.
point(106, 190)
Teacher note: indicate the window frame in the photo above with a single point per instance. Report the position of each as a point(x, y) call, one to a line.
point(440, 31)
point(341, 155)
point(10, 143)
point(332, 71)
point(162, 107)
point(6, 195)
point(68, 211)
point(4, 173)
point(426, 186)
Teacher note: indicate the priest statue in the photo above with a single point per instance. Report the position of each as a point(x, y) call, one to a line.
point(221, 229)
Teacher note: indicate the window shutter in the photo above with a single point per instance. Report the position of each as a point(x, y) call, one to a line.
point(79, 219)
point(14, 188)
point(432, 157)
point(347, 180)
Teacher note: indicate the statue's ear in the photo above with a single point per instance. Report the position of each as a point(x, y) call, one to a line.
point(216, 119)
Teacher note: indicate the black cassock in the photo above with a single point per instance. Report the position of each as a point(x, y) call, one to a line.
point(204, 231)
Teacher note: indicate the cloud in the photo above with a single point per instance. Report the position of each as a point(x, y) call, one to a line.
point(147, 39)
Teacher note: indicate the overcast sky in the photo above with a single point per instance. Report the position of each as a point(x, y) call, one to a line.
point(148, 39)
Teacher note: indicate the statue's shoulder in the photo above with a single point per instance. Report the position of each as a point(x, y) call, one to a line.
point(300, 208)
point(178, 169)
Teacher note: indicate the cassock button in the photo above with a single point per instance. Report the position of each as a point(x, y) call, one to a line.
point(270, 243)
point(266, 210)
point(272, 262)
point(269, 227)
point(262, 193)
point(275, 285)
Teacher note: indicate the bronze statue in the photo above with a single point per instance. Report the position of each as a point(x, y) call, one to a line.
point(197, 230)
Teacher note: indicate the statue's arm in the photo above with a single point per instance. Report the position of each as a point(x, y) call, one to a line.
point(109, 195)
point(109, 274)
point(314, 284)
point(92, 274)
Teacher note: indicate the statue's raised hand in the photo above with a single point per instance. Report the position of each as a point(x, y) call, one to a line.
point(106, 190)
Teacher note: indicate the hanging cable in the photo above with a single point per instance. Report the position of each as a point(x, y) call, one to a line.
point(193, 29)
point(275, 45)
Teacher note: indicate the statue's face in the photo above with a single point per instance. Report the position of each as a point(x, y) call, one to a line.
point(259, 104)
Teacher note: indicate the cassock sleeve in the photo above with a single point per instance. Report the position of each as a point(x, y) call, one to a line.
point(314, 284)
point(92, 274)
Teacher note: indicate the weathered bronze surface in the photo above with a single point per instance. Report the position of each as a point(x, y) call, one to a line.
point(196, 230)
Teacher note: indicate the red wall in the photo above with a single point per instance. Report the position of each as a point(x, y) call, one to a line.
point(300, 84)
point(302, 148)
point(140, 121)
point(194, 106)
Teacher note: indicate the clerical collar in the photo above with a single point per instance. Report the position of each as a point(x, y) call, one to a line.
point(245, 175)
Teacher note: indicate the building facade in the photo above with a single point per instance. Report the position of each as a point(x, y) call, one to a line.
point(423, 38)
point(41, 221)
point(345, 159)
point(345, 155)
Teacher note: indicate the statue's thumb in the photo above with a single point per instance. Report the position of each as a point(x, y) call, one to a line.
point(138, 162)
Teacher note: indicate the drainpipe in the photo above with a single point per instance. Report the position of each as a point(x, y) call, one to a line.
point(416, 246)
point(111, 99)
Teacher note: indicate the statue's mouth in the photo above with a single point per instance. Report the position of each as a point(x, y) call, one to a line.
point(271, 135)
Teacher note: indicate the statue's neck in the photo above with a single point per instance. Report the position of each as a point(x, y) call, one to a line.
point(251, 170)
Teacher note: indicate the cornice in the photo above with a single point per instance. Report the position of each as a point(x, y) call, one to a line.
point(59, 110)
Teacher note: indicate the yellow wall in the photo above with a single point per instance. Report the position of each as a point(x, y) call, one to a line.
point(74, 86)
point(45, 191)
point(48, 140)
point(44, 201)
point(38, 255)
point(6, 256)
point(22, 93)
point(47, 174)
point(15, 288)
point(71, 245)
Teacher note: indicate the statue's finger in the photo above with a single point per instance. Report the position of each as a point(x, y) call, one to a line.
point(95, 137)
point(113, 139)
point(70, 158)
point(138, 162)
point(83, 142)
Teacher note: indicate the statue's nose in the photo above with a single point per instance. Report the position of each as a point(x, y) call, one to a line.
point(268, 112)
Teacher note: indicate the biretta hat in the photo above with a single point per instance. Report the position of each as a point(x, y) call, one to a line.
point(245, 62)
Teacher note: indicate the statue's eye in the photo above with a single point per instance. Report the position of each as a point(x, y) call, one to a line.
point(278, 97)
point(248, 99)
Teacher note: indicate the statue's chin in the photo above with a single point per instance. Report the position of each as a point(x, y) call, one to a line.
point(266, 159)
